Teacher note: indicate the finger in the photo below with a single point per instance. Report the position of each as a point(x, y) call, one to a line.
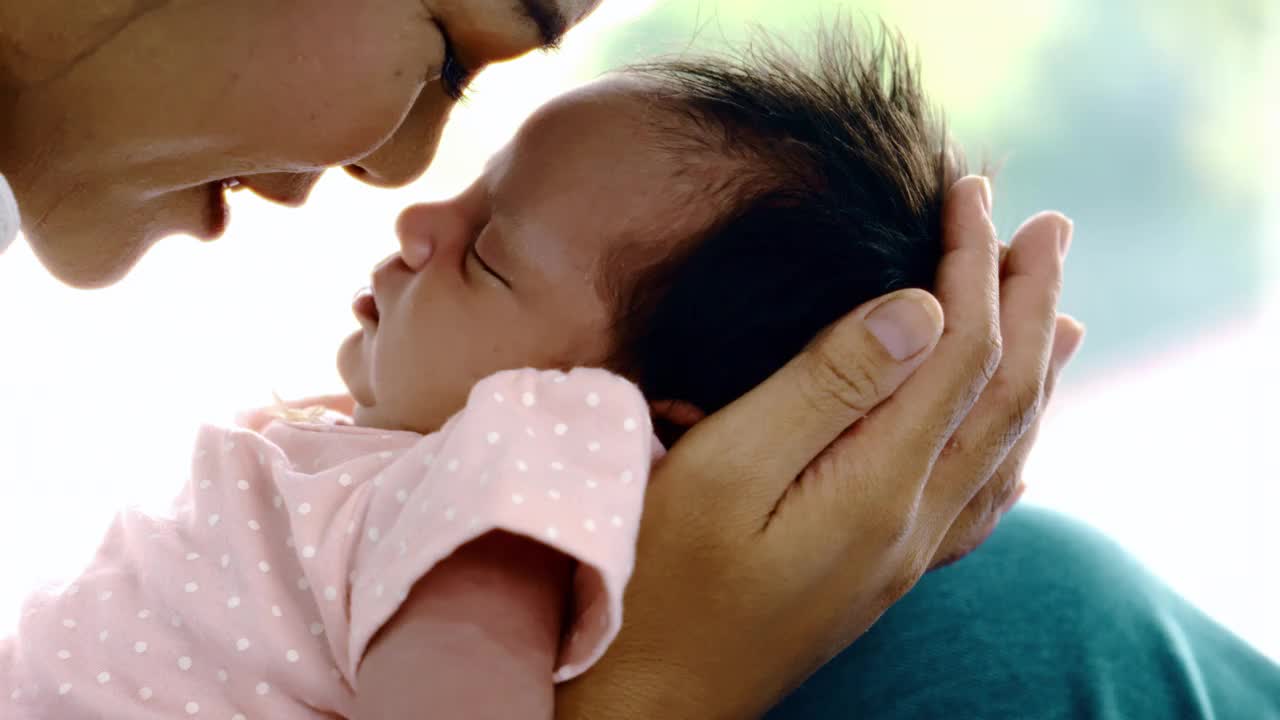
point(968, 274)
point(342, 403)
point(1009, 404)
point(858, 469)
point(979, 518)
point(834, 381)
point(1067, 337)
point(917, 420)
point(258, 418)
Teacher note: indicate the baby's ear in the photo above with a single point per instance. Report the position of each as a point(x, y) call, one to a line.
point(672, 418)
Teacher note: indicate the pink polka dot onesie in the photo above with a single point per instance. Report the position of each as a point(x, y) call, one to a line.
point(286, 552)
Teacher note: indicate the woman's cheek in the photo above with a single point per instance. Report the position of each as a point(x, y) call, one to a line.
point(342, 126)
point(351, 78)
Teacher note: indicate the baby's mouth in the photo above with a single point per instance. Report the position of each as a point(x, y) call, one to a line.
point(365, 307)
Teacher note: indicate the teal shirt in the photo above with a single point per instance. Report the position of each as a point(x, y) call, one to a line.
point(1048, 620)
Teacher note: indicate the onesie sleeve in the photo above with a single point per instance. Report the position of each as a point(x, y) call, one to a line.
point(560, 458)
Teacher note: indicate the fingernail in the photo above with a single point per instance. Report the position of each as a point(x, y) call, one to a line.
point(904, 326)
point(985, 194)
point(1065, 229)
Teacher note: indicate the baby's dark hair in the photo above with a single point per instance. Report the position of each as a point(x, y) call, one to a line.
point(835, 198)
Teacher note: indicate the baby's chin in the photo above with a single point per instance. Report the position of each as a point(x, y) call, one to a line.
point(373, 417)
point(368, 414)
point(362, 417)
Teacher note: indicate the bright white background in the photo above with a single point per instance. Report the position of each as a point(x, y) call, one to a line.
point(1171, 453)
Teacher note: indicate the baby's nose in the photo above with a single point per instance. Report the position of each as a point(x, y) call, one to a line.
point(415, 251)
point(416, 244)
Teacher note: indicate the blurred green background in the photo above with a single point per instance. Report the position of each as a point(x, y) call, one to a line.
point(1141, 120)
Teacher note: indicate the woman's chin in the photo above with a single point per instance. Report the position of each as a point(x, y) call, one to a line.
point(88, 265)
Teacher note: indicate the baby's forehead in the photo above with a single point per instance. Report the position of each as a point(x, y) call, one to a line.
point(617, 102)
point(596, 174)
point(606, 141)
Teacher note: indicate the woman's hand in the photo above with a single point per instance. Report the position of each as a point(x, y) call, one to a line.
point(779, 529)
point(998, 495)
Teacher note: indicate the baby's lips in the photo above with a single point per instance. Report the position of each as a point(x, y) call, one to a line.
point(365, 306)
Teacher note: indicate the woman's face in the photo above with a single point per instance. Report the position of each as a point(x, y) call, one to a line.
point(137, 140)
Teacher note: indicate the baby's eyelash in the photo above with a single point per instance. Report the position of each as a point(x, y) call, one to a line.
point(488, 268)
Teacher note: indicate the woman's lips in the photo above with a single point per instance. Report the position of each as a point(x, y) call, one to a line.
point(219, 210)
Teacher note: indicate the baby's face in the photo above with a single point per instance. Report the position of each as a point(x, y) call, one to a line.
point(509, 273)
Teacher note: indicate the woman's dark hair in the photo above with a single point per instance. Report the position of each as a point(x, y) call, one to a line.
point(836, 199)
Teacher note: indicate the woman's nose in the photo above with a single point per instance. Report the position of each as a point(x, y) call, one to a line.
point(409, 151)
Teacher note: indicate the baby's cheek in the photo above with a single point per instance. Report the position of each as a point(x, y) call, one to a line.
point(408, 383)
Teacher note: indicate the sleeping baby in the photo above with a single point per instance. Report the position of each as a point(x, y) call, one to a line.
point(645, 250)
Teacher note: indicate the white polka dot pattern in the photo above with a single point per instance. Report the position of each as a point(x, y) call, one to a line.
point(288, 551)
point(546, 466)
